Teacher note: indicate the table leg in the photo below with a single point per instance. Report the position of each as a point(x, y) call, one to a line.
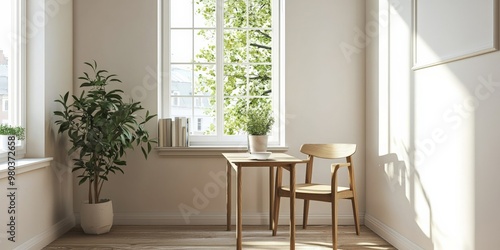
point(276, 205)
point(292, 207)
point(228, 196)
point(239, 227)
point(271, 197)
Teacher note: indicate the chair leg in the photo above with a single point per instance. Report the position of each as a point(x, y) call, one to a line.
point(276, 214)
point(334, 224)
point(355, 212)
point(306, 214)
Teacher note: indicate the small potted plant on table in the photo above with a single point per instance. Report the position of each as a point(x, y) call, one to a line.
point(259, 121)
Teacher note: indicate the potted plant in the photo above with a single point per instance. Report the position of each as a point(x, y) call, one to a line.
point(7, 130)
point(101, 126)
point(259, 121)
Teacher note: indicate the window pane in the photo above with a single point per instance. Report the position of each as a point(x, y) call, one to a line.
point(235, 107)
point(261, 102)
point(260, 80)
point(235, 46)
point(260, 14)
point(204, 14)
point(204, 45)
point(181, 14)
point(204, 115)
point(5, 59)
point(181, 46)
point(183, 106)
point(235, 13)
point(182, 79)
point(235, 83)
point(233, 110)
point(204, 80)
point(260, 46)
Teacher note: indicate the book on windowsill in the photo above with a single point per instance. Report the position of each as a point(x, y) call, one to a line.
point(165, 132)
point(173, 132)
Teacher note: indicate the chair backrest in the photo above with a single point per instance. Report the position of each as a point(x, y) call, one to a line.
point(329, 151)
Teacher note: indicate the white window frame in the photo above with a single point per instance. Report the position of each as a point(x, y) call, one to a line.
point(277, 137)
point(17, 74)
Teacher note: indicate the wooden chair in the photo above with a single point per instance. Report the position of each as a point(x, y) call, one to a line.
point(321, 192)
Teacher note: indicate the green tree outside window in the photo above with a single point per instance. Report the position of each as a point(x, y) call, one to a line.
point(247, 60)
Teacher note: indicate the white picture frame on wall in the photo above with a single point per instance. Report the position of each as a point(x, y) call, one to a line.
point(460, 34)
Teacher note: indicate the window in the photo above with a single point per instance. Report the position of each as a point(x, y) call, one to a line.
point(221, 57)
point(12, 62)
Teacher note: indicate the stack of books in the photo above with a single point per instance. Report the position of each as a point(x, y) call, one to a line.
point(173, 132)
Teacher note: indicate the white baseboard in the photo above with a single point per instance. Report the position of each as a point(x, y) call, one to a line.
point(390, 235)
point(218, 219)
point(43, 239)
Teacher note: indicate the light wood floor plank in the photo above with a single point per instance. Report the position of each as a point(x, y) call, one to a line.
point(216, 237)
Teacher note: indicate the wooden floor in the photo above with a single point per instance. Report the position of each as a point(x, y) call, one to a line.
point(216, 237)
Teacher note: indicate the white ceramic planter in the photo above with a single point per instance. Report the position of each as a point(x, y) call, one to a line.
point(257, 143)
point(96, 218)
point(3, 142)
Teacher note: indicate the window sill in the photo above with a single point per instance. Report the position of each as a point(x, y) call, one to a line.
point(25, 165)
point(206, 151)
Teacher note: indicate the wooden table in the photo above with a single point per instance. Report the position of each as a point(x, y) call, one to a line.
point(238, 161)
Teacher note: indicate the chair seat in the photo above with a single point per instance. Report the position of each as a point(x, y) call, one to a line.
point(313, 188)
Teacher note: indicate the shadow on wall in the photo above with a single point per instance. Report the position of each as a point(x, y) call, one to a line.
point(405, 184)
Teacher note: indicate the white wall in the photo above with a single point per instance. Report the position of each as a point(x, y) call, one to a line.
point(324, 103)
point(443, 197)
point(44, 201)
point(324, 87)
point(431, 134)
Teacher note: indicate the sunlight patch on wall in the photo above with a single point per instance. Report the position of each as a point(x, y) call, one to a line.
point(426, 137)
point(444, 153)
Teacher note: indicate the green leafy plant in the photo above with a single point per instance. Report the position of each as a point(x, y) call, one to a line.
point(259, 120)
point(101, 127)
point(18, 131)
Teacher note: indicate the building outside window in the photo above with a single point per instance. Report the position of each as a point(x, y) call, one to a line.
point(4, 84)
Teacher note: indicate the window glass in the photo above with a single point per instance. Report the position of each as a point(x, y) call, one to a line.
point(5, 58)
point(12, 66)
point(222, 62)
